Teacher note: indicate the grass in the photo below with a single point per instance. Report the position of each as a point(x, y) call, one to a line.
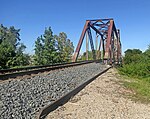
point(140, 87)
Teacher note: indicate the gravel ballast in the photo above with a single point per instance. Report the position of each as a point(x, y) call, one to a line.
point(23, 98)
point(104, 98)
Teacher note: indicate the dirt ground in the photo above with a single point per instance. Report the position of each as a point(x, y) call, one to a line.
point(104, 98)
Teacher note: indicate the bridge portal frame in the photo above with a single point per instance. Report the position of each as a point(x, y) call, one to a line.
point(109, 41)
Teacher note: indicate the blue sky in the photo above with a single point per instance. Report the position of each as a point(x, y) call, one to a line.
point(132, 17)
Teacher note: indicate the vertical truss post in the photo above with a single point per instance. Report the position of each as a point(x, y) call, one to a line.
point(100, 43)
point(91, 42)
point(108, 43)
point(99, 49)
point(119, 48)
point(96, 45)
point(115, 48)
point(103, 45)
point(87, 46)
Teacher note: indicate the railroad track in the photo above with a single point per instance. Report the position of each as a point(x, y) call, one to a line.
point(35, 97)
point(12, 73)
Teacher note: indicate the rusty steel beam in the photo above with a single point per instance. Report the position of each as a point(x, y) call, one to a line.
point(101, 19)
point(110, 39)
point(99, 48)
point(108, 52)
point(119, 47)
point(80, 42)
point(101, 25)
point(91, 42)
point(95, 29)
point(87, 46)
point(114, 28)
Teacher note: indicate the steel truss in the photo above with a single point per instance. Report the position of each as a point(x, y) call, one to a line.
point(109, 49)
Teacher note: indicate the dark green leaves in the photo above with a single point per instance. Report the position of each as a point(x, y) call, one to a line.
point(136, 63)
point(11, 50)
point(51, 48)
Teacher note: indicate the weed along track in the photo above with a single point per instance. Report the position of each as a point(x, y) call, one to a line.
point(24, 99)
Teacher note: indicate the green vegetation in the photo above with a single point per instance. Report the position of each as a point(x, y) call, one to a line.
point(11, 50)
point(136, 63)
point(49, 49)
point(141, 87)
point(90, 55)
point(137, 67)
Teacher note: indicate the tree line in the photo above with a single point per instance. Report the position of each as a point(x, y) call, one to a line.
point(136, 63)
point(49, 48)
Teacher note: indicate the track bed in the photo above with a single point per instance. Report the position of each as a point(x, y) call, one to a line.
point(24, 98)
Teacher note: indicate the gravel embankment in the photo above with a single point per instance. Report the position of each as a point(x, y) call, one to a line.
point(23, 98)
point(104, 98)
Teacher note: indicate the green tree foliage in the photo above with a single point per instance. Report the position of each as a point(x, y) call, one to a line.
point(147, 58)
point(45, 50)
point(132, 56)
point(51, 48)
point(20, 59)
point(38, 57)
point(147, 52)
point(65, 47)
point(11, 50)
point(136, 63)
point(90, 56)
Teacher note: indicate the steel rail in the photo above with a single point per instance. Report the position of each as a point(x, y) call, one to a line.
point(43, 69)
point(51, 107)
point(35, 67)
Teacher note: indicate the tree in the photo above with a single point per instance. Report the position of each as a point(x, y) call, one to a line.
point(45, 48)
point(51, 48)
point(136, 63)
point(147, 57)
point(38, 57)
point(20, 59)
point(147, 52)
point(65, 47)
point(132, 55)
point(90, 56)
point(11, 48)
